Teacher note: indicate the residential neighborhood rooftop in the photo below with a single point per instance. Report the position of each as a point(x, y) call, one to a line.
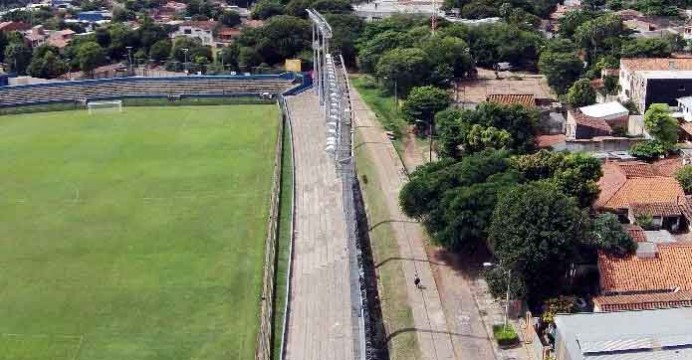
point(624, 184)
point(661, 64)
point(527, 100)
point(667, 270)
point(630, 335)
point(604, 109)
point(643, 301)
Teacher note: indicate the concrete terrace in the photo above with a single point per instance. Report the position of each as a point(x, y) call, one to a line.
point(321, 320)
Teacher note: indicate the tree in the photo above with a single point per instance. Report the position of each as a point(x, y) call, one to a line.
point(121, 14)
point(572, 20)
point(456, 135)
point(161, 50)
point(649, 150)
point(424, 102)
point(403, 68)
point(17, 57)
point(684, 177)
point(601, 36)
point(264, 9)
point(229, 56)
point(455, 200)
point(561, 69)
point(230, 18)
point(647, 47)
point(346, 28)
point(248, 58)
point(581, 93)
point(661, 125)
point(574, 174)
point(610, 237)
point(371, 51)
point(450, 51)
point(283, 37)
point(90, 55)
point(542, 249)
point(47, 65)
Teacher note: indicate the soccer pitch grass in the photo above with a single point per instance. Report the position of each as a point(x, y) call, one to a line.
point(134, 235)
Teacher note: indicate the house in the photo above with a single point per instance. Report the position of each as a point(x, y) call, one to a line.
point(36, 36)
point(60, 38)
point(582, 126)
point(685, 107)
point(630, 335)
point(631, 189)
point(655, 80)
point(526, 100)
point(168, 11)
point(202, 30)
point(596, 120)
point(8, 26)
point(227, 34)
point(655, 268)
point(94, 16)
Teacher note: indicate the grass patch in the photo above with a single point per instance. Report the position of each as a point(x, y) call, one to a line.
point(140, 233)
point(284, 243)
point(382, 104)
point(505, 336)
point(392, 284)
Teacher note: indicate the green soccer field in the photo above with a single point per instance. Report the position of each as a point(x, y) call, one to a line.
point(134, 235)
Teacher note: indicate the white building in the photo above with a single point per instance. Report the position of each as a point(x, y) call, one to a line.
point(202, 30)
point(657, 80)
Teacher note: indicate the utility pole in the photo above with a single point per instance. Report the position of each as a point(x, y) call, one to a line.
point(129, 59)
point(185, 50)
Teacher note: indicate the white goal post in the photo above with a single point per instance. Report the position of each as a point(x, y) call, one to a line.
point(105, 106)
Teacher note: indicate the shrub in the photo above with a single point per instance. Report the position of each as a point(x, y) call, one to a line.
point(684, 177)
point(505, 336)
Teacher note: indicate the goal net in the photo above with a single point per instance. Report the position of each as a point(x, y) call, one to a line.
point(105, 106)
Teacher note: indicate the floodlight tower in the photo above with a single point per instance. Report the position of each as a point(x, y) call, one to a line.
point(321, 33)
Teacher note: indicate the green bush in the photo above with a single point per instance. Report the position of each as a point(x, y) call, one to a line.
point(505, 336)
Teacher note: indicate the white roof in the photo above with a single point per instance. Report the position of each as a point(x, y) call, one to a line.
point(604, 110)
point(666, 74)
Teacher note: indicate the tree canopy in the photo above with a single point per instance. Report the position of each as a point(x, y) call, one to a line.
point(660, 125)
point(581, 93)
point(424, 102)
point(539, 250)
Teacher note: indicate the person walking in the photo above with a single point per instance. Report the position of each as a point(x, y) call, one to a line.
point(416, 281)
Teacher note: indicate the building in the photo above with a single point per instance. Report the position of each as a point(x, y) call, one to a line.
point(656, 80)
point(94, 16)
point(60, 38)
point(624, 335)
point(527, 100)
point(582, 126)
point(8, 26)
point(227, 35)
point(380, 9)
point(631, 189)
point(168, 11)
point(202, 30)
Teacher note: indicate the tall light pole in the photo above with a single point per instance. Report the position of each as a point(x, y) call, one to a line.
point(185, 50)
point(509, 278)
point(129, 58)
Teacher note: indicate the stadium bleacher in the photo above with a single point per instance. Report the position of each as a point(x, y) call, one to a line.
point(132, 87)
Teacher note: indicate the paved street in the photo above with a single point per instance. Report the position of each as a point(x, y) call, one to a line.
point(320, 320)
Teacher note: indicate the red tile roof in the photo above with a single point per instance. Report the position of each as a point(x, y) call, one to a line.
point(671, 268)
point(643, 301)
point(668, 166)
point(645, 191)
point(544, 141)
point(635, 232)
point(642, 64)
point(664, 209)
point(588, 121)
point(527, 100)
point(638, 169)
point(627, 183)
